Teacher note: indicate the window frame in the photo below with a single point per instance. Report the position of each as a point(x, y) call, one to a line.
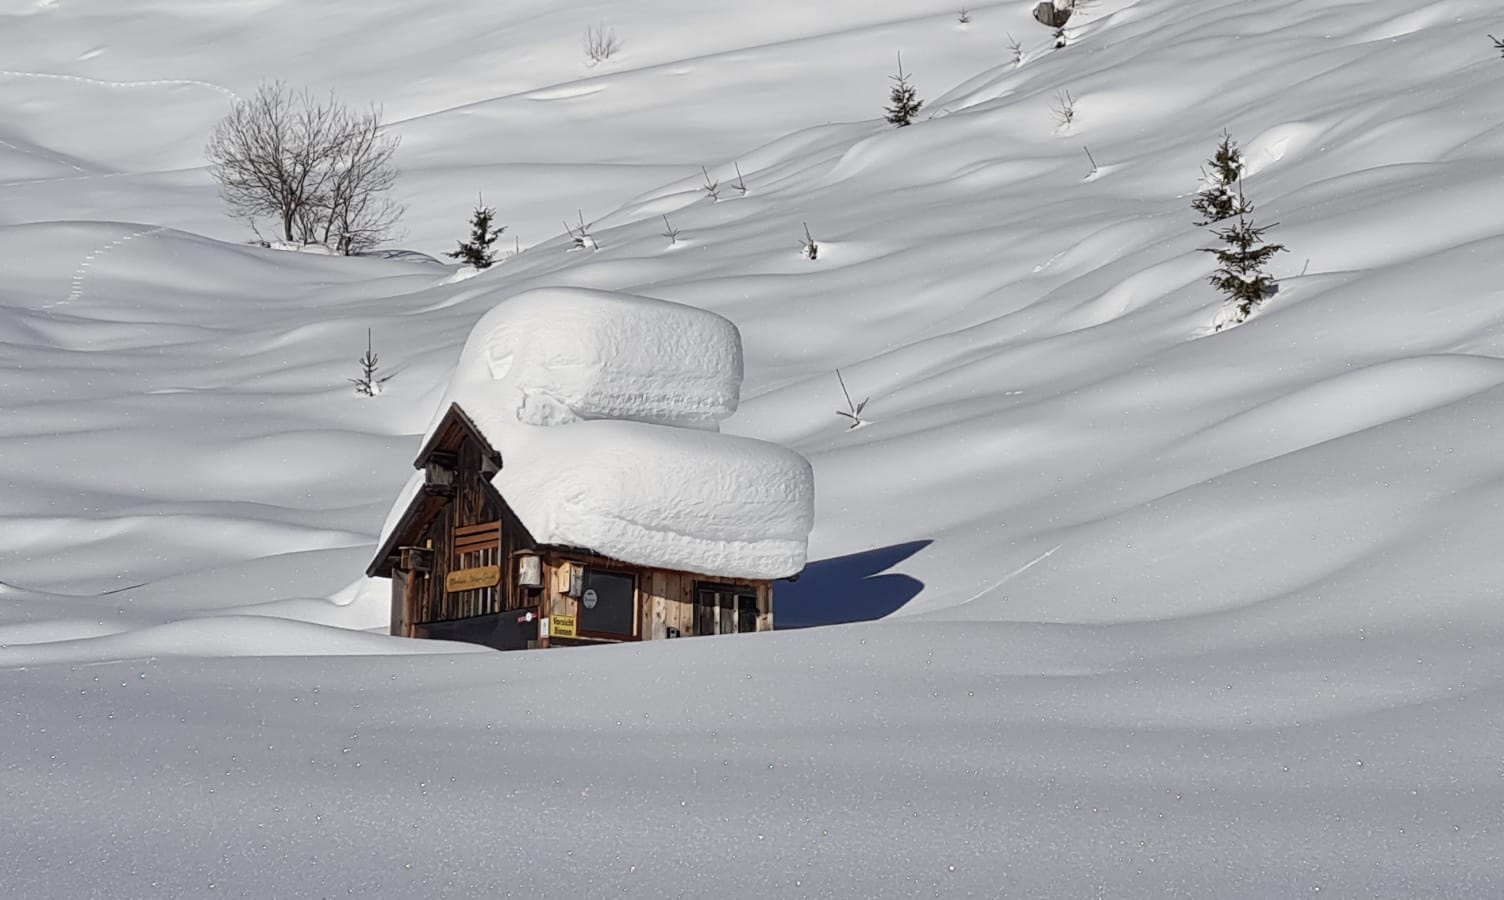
point(580, 610)
point(738, 593)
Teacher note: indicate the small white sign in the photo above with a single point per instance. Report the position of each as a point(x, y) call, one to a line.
point(590, 599)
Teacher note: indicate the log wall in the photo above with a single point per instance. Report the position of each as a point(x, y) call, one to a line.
point(665, 597)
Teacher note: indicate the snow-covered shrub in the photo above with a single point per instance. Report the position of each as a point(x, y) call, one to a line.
point(905, 102)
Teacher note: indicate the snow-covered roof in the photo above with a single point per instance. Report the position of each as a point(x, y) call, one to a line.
point(605, 409)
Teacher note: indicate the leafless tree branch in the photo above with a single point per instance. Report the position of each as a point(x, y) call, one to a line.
point(319, 170)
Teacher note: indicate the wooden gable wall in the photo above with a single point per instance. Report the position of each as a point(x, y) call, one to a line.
point(474, 530)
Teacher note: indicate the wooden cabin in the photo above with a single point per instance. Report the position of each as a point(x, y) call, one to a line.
point(463, 567)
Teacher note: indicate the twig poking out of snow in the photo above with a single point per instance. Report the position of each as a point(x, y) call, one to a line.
point(809, 249)
point(1093, 161)
point(583, 239)
point(741, 183)
point(855, 409)
point(712, 186)
point(1064, 109)
point(671, 232)
point(600, 43)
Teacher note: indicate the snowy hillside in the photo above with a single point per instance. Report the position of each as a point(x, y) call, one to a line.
point(1155, 610)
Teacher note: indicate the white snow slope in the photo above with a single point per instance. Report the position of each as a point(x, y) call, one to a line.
point(1175, 613)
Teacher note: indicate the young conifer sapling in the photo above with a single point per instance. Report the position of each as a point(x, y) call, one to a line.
point(1241, 259)
point(1217, 201)
point(903, 99)
point(477, 251)
point(369, 383)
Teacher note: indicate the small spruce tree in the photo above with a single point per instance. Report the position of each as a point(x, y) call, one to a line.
point(1240, 261)
point(1498, 44)
point(477, 252)
point(1217, 201)
point(905, 101)
point(369, 383)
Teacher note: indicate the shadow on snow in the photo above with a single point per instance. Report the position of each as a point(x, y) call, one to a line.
point(849, 588)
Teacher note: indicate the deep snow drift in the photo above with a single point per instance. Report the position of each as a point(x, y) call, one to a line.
point(1178, 613)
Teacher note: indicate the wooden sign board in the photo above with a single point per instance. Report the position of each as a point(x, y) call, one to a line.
point(561, 626)
point(472, 579)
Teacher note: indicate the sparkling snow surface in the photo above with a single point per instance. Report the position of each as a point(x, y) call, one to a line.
point(579, 390)
point(1179, 613)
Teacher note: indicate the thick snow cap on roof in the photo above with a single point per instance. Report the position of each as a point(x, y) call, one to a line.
point(604, 408)
point(665, 497)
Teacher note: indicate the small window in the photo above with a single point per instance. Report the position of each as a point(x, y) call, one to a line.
point(608, 606)
point(725, 609)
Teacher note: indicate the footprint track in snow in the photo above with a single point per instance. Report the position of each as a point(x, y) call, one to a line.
point(76, 286)
point(41, 156)
point(99, 82)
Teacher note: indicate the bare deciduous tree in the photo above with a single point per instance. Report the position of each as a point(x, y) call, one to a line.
point(320, 171)
point(358, 211)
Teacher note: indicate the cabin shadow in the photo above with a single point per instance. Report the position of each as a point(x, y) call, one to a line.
point(852, 588)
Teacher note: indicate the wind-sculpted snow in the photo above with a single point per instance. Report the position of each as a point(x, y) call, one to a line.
point(1180, 613)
